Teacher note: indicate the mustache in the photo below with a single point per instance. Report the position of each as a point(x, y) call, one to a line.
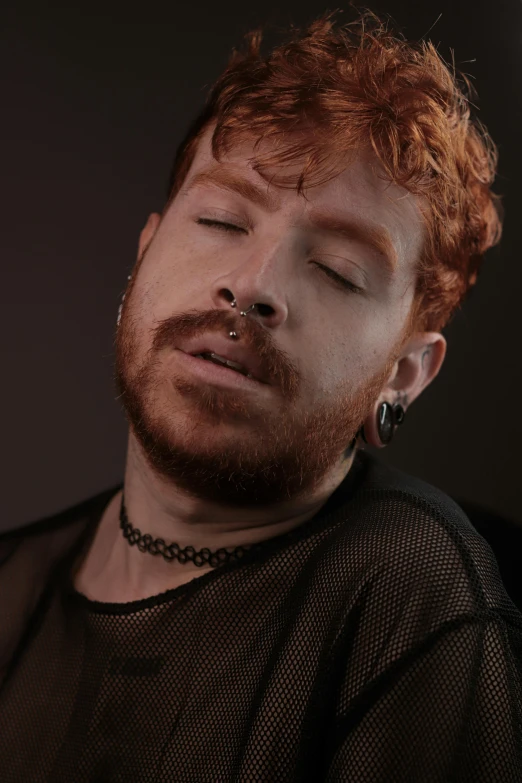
point(278, 365)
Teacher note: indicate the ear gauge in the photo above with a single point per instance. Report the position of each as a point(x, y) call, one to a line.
point(388, 418)
point(398, 413)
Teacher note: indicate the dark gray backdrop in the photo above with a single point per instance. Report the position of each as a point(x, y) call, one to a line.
point(94, 102)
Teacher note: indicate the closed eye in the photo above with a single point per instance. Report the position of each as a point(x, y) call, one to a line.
point(230, 227)
point(219, 225)
point(339, 278)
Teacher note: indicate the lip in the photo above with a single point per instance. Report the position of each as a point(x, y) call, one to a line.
point(218, 343)
point(220, 376)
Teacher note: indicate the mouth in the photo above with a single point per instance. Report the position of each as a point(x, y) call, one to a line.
point(221, 362)
point(219, 372)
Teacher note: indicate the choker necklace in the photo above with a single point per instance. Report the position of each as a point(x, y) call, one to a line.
point(388, 416)
point(173, 551)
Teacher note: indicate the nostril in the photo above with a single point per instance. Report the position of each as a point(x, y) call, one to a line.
point(229, 296)
point(264, 309)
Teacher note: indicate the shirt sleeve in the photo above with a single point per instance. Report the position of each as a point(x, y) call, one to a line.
point(430, 666)
point(448, 711)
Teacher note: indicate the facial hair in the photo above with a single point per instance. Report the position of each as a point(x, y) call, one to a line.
point(284, 454)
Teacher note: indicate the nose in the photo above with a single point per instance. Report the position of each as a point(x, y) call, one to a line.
point(262, 309)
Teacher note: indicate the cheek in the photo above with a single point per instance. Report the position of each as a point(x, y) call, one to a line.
point(330, 365)
point(169, 281)
point(350, 361)
point(179, 254)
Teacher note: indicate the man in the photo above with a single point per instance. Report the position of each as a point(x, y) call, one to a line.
point(309, 614)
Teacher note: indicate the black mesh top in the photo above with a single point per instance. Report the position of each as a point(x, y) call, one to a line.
point(374, 643)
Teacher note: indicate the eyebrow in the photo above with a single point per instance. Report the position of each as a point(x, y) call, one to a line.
point(365, 232)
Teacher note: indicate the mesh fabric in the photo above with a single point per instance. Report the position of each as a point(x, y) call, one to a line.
point(375, 643)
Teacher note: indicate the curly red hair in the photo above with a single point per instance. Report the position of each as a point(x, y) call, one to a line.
point(332, 90)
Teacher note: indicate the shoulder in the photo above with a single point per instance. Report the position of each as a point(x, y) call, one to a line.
point(384, 478)
point(421, 543)
point(55, 531)
point(405, 496)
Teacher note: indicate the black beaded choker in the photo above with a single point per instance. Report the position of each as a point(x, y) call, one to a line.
point(173, 552)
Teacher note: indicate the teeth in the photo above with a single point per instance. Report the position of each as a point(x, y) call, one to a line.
point(234, 365)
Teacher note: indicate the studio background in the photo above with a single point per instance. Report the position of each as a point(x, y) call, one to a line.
point(95, 102)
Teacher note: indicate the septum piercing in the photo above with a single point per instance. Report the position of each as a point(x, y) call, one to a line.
point(233, 303)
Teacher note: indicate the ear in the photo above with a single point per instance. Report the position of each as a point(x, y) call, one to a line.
point(419, 363)
point(147, 232)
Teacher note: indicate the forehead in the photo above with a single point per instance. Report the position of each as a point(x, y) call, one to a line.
point(359, 197)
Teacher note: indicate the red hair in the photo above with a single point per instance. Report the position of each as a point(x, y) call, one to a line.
point(330, 91)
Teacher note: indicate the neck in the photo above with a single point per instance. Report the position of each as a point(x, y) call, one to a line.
point(122, 573)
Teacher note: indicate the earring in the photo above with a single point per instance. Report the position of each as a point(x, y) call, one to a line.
point(388, 417)
point(120, 308)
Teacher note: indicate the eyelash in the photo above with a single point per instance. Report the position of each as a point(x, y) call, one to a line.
point(230, 227)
